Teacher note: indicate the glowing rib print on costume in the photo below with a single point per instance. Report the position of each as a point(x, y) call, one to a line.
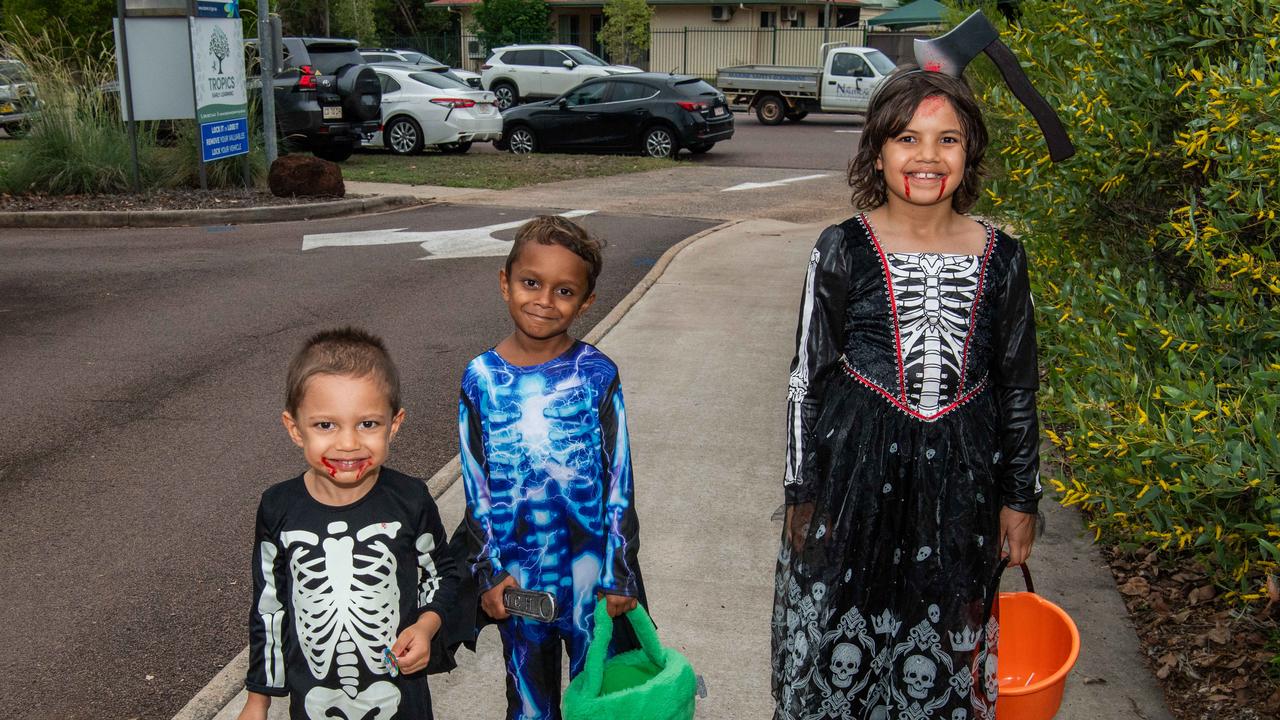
point(547, 471)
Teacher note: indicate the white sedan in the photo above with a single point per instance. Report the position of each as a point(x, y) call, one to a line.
point(421, 108)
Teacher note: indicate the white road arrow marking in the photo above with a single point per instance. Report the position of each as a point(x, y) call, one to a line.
point(775, 183)
point(439, 244)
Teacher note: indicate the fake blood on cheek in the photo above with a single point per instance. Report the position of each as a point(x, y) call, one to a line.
point(333, 471)
point(906, 184)
point(942, 188)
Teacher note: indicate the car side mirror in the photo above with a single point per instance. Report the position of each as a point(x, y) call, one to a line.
point(564, 103)
point(570, 64)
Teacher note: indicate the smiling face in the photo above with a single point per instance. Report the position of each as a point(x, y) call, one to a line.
point(344, 426)
point(545, 290)
point(925, 162)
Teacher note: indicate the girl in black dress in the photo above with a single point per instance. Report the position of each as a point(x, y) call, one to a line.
point(912, 461)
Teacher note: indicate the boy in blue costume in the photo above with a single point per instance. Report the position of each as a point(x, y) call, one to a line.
point(547, 466)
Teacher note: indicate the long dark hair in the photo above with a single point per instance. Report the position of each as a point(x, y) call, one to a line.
point(893, 105)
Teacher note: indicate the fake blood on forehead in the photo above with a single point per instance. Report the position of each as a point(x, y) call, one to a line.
point(931, 105)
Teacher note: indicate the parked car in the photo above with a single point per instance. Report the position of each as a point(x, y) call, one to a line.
point(655, 113)
point(390, 55)
point(842, 83)
point(524, 72)
point(421, 108)
point(327, 98)
point(17, 97)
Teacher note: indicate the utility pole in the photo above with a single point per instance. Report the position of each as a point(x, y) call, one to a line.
point(268, 69)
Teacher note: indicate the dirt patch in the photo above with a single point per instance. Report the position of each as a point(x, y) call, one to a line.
point(1213, 659)
point(154, 200)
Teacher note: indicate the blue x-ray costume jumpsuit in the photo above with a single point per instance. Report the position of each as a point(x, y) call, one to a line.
point(547, 468)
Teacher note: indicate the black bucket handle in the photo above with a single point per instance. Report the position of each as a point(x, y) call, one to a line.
point(995, 585)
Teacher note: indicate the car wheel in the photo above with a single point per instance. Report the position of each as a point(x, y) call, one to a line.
point(660, 142)
point(17, 130)
point(403, 136)
point(458, 148)
point(797, 116)
point(701, 148)
point(522, 141)
point(335, 152)
point(770, 111)
point(505, 95)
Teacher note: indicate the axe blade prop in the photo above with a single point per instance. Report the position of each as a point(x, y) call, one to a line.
point(951, 53)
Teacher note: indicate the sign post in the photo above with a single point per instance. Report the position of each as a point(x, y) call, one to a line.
point(217, 71)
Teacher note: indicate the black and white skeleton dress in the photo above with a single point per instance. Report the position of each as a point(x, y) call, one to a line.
point(334, 586)
point(911, 422)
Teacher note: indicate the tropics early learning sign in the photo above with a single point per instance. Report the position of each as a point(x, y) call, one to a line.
point(217, 56)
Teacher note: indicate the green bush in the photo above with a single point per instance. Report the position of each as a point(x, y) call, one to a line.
point(78, 143)
point(1155, 266)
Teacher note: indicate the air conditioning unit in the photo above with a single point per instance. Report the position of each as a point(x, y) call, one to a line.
point(474, 51)
point(791, 13)
point(721, 13)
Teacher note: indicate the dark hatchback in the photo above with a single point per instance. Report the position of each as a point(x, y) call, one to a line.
point(654, 113)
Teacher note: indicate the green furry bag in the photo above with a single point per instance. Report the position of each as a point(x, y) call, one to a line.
point(652, 683)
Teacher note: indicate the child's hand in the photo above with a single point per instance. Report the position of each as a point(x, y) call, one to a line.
point(413, 648)
point(491, 600)
point(620, 604)
point(255, 708)
point(1018, 529)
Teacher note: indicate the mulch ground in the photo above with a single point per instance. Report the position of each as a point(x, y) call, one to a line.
point(177, 199)
point(1214, 659)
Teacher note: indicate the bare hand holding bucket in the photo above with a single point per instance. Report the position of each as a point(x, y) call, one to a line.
point(1018, 532)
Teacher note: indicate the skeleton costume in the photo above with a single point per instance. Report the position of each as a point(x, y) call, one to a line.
point(546, 464)
point(333, 587)
point(911, 422)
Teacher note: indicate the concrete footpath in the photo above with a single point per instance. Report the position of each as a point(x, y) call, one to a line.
point(704, 357)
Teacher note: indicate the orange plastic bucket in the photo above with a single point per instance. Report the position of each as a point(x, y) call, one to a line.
point(1039, 644)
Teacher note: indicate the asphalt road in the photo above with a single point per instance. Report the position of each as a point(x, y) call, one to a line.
point(819, 142)
point(140, 396)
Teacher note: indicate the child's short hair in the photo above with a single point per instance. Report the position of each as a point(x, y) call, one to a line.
point(558, 230)
point(345, 351)
point(893, 104)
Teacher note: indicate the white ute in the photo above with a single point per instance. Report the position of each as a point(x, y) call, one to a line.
point(843, 84)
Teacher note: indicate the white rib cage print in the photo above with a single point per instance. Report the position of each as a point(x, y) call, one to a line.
point(934, 295)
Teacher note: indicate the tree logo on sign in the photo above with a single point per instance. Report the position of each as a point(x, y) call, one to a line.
point(220, 47)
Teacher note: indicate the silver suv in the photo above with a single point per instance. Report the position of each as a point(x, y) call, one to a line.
point(525, 72)
point(17, 97)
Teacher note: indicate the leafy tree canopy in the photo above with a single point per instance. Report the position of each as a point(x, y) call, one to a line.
point(506, 22)
point(625, 33)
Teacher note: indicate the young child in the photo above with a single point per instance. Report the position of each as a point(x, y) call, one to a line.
point(912, 452)
point(351, 580)
point(547, 466)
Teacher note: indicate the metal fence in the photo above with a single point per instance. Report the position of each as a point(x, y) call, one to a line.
point(691, 50)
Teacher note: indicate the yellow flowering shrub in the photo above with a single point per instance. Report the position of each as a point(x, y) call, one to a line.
point(1155, 266)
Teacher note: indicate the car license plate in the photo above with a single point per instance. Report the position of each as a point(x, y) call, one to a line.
point(717, 112)
point(333, 112)
point(7, 108)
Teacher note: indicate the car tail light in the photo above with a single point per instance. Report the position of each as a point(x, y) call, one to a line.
point(693, 106)
point(454, 102)
point(307, 77)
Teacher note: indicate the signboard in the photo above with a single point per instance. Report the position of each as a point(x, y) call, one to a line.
point(217, 63)
point(161, 79)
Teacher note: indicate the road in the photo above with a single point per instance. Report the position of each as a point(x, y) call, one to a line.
point(141, 392)
point(819, 142)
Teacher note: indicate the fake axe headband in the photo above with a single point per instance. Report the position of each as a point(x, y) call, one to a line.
point(951, 53)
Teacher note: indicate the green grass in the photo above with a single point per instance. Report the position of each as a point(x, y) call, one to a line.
point(9, 151)
point(489, 170)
